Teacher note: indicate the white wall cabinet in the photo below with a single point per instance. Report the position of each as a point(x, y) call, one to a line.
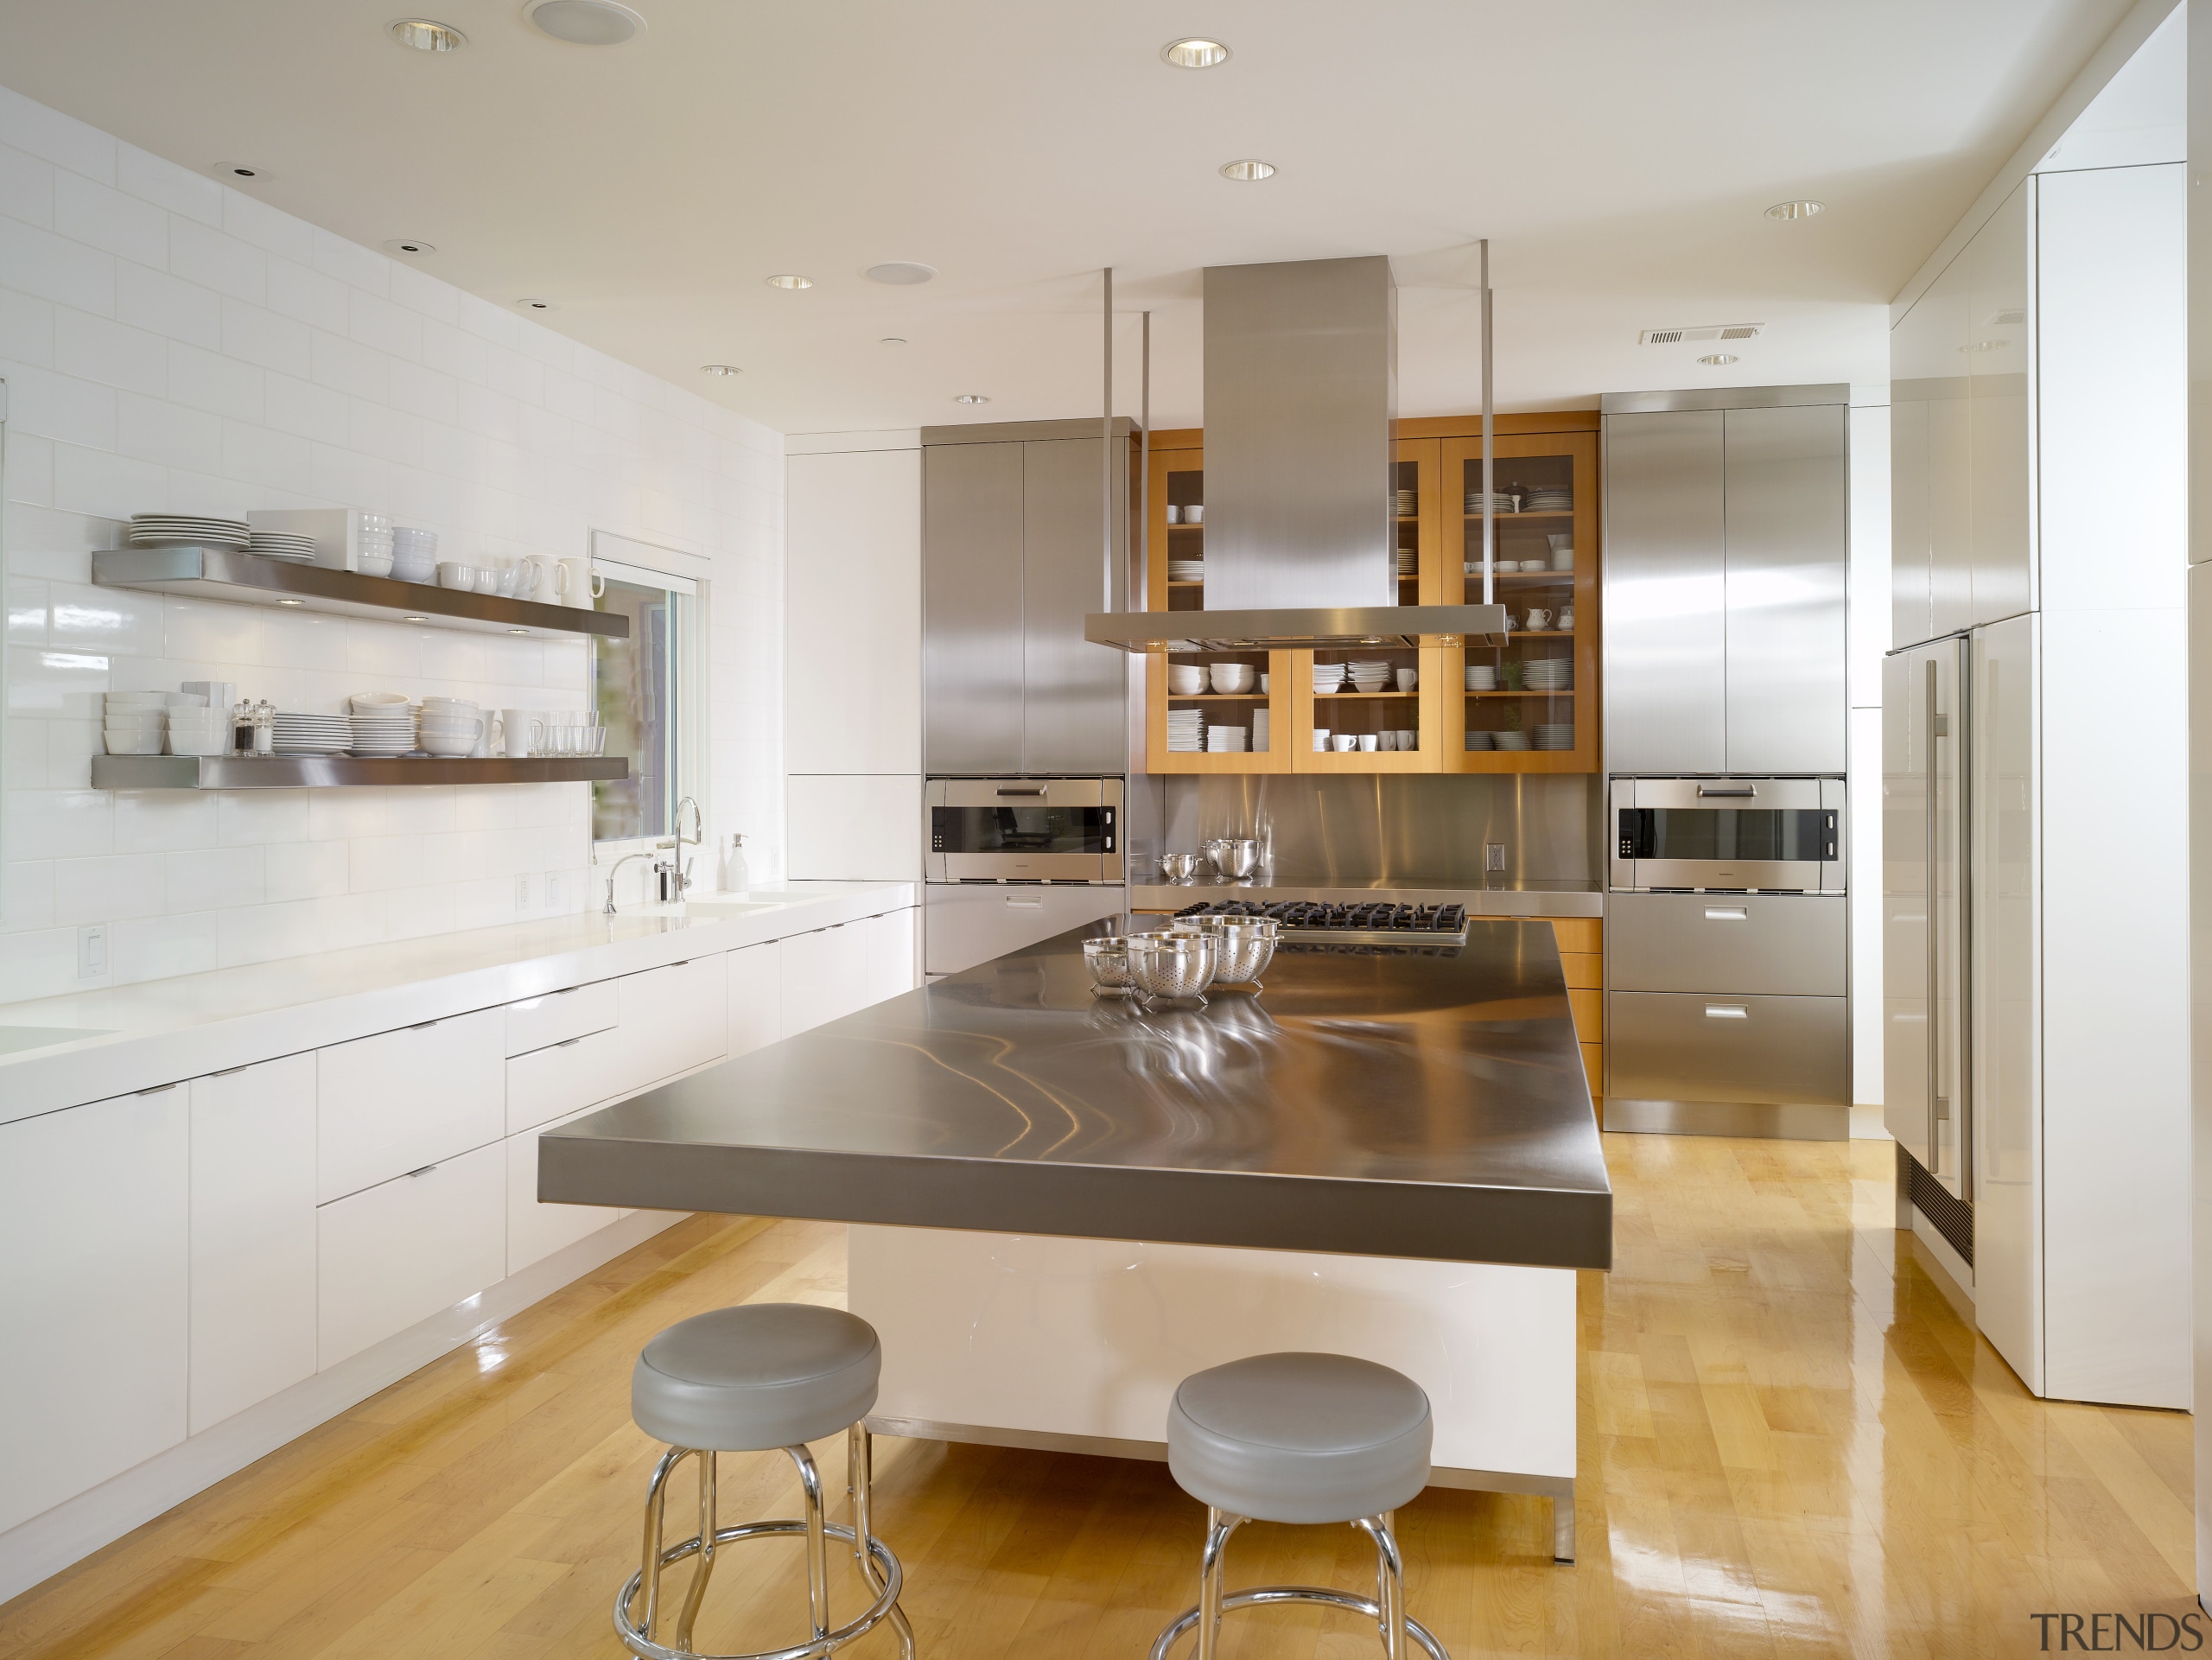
point(396, 1102)
point(854, 828)
point(94, 1242)
point(402, 1251)
point(853, 612)
point(253, 1234)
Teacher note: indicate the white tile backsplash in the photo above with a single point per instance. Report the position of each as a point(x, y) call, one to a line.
point(171, 344)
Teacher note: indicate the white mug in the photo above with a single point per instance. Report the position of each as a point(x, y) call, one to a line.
point(517, 732)
point(578, 583)
point(1383, 741)
point(1369, 743)
point(1343, 743)
point(1408, 678)
point(1408, 739)
point(453, 574)
point(1540, 618)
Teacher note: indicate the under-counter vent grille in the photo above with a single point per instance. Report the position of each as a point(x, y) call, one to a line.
point(1708, 332)
point(1952, 1216)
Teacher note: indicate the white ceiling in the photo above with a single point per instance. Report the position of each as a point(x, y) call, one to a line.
point(1619, 155)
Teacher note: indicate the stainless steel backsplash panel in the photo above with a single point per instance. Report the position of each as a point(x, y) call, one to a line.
point(1397, 830)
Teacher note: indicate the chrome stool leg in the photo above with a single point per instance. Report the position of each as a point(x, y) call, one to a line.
point(859, 1485)
point(697, 1593)
point(1386, 1609)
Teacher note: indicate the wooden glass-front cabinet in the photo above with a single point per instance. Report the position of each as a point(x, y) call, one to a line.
point(1529, 706)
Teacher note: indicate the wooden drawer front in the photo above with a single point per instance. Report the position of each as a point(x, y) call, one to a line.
point(1589, 1014)
point(540, 1022)
point(1672, 1046)
point(402, 1252)
point(551, 1083)
point(1583, 934)
point(534, 1232)
point(1584, 970)
point(672, 1019)
point(1594, 1066)
point(394, 1102)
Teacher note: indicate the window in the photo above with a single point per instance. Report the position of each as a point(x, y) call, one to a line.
point(642, 687)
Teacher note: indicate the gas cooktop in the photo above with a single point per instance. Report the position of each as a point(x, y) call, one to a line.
point(1350, 925)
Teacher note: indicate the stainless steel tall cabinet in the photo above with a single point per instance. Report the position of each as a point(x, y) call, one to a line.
point(1725, 557)
point(1013, 557)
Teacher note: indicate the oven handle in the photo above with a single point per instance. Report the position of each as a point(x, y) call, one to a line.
point(1034, 791)
point(1747, 790)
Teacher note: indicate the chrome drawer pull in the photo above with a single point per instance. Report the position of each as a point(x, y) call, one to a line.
point(1726, 913)
point(1025, 904)
point(1746, 790)
point(567, 1043)
point(1726, 1012)
point(424, 1171)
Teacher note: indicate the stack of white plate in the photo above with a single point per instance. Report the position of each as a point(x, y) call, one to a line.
point(1328, 676)
point(1187, 731)
point(1556, 737)
point(312, 735)
point(1549, 501)
point(1408, 503)
point(1226, 739)
point(1499, 502)
point(1550, 673)
point(1482, 677)
point(1478, 740)
point(1187, 571)
point(1406, 562)
point(1511, 740)
point(1260, 730)
point(382, 727)
point(283, 544)
point(184, 531)
point(1370, 674)
point(135, 722)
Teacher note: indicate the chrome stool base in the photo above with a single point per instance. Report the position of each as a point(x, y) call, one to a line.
point(879, 1567)
point(1387, 1609)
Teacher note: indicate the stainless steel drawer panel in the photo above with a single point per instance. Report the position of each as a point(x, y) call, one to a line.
point(1781, 946)
point(1680, 1046)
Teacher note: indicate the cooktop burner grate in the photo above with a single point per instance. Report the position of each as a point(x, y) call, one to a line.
point(1309, 918)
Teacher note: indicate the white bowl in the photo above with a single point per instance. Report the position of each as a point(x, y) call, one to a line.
point(156, 726)
point(1186, 680)
point(148, 745)
point(1232, 676)
point(373, 565)
point(206, 723)
point(137, 699)
point(378, 700)
point(215, 744)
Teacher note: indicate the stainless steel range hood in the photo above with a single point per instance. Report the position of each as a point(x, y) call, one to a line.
point(1301, 528)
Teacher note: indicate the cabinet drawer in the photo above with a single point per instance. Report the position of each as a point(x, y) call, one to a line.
point(564, 1077)
point(534, 1232)
point(1673, 1047)
point(672, 1020)
point(1589, 1008)
point(402, 1252)
point(396, 1102)
point(1781, 946)
point(540, 1022)
point(1594, 1066)
point(1578, 933)
point(1584, 970)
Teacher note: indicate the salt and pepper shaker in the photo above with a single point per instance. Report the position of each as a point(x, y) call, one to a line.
point(264, 727)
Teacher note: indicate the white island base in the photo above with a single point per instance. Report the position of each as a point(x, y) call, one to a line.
point(1077, 1345)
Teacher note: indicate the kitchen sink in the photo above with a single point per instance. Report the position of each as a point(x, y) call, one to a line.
point(14, 1039)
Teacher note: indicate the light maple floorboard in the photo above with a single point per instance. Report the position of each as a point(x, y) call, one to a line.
point(1790, 1445)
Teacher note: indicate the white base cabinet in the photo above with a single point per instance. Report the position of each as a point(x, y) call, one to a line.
point(399, 1100)
point(94, 1242)
point(535, 1230)
point(399, 1252)
point(834, 972)
point(253, 1234)
point(672, 1020)
point(756, 997)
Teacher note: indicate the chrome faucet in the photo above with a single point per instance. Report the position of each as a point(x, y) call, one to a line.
point(698, 835)
point(672, 875)
point(613, 871)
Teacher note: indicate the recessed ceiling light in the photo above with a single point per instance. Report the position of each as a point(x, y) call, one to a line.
point(411, 244)
point(971, 398)
point(1248, 171)
point(1796, 209)
point(1718, 359)
point(238, 170)
point(1195, 53)
point(535, 305)
point(426, 36)
point(291, 601)
point(585, 23)
point(891, 339)
point(719, 368)
point(789, 280)
point(415, 620)
point(517, 630)
point(900, 273)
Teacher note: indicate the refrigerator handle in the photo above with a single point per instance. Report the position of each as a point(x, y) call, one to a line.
point(1936, 726)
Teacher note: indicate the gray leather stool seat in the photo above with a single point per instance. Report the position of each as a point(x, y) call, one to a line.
point(1308, 1439)
point(756, 1376)
point(1299, 1438)
point(756, 1379)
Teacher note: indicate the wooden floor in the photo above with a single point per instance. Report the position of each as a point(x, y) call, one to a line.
point(1791, 1445)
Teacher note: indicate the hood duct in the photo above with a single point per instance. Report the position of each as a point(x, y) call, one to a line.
point(1302, 371)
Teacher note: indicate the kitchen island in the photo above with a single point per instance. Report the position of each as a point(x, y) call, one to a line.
point(1063, 1203)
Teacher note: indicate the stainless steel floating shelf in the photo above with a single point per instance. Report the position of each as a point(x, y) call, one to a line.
point(237, 578)
point(328, 772)
point(1328, 627)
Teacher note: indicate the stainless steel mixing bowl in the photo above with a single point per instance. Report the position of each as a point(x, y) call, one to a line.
point(1172, 967)
point(1236, 857)
point(1108, 959)
point(1243, 946)
point(1178, 867)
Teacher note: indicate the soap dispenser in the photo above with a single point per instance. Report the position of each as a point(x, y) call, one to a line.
point(734, 877)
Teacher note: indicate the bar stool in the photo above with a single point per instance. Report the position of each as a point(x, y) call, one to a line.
point(1301, 1438)
point(751, 1379)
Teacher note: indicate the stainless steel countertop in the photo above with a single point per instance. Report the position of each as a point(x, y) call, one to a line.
point(1407, 1105)
point(1532, 899)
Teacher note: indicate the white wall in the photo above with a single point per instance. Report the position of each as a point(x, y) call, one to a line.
point(169, 342)
point(1868, 637)
point(853, 636)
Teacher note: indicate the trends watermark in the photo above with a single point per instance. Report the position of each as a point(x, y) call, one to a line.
point(2150, 1633)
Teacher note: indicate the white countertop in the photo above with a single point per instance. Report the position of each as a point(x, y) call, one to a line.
point(140, 1036)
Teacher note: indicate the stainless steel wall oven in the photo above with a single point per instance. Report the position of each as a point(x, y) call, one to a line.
point(1727, 835)
point(1024, 829)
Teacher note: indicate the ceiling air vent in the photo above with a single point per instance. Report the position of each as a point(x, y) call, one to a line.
point(2011, 319)
point(1710, 332)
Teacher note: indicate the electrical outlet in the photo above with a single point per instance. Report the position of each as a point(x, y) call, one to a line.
point(552, 890)
point(1493, 855)
point(91, 950)
point(522, 893)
